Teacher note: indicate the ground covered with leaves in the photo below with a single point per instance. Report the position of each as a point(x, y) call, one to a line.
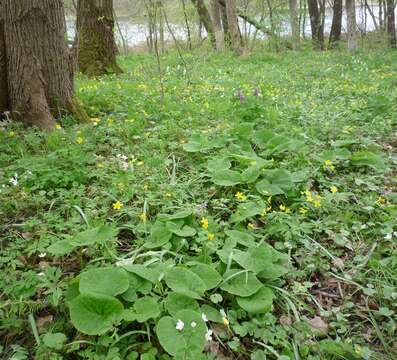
point(247, 214)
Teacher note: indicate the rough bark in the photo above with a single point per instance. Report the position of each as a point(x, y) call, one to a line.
point(351, 25)
point(40, 85)
point(294, 20)
point(315, 24)
point(336, 27)
point(234, 30)
point(97, 48)
point(205, 19)
point(3, 67)
point(217, 21)
point(391, 24)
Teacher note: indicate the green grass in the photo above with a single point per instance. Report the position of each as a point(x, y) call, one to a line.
point(295, 189)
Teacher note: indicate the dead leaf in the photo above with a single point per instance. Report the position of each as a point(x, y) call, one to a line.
point(319, 325)
point(285, 320)
point(43, 320)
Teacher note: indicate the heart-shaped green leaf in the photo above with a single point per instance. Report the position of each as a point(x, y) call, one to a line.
point(260, 302)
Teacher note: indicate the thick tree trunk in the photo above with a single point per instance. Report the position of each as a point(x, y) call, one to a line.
point(294, 20)
point(391, 24)
point(217, 21)
point(39, 72)
point(234, 30)
point(225, 25)
point(336, 27)
point(97, 48)
point(205, 19)
point(351, 25)
point(3, 69)
point(315, 24)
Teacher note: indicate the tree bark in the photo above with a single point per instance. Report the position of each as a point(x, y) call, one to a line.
point(351, 25)
point(97, 48)
point(315, 24)
point(38, 67)
point(294, 20)
point(391, 24)
point(217, 21)
point(205, 19)
point(234, 30)
point(3, 68)
point(336, 27)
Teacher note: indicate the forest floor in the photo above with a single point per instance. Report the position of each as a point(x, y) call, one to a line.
point(260, 192)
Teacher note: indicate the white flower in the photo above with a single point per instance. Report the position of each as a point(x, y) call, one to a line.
point(208, 335)
point(388, 236)
point(180, 325)
point(40, 274)
point(14, 180)
point(122, 157)
point(223, 314)
point(364, 226)
point(193, 324)
point(204, 317)
point(41, 255)
point(125, 165)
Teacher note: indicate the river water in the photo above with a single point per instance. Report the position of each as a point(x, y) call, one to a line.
point(136, 34)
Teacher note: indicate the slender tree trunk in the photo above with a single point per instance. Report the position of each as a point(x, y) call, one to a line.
point(371, 13)
point(3, 68)
point(315, 24)
point(189, 38)
point(294, 19)
point(351, 25)
point(39, 70)
point(336, 27)
point(97, 48)
point(391, 24)
point(380, 15)
point(234, 30)
point(205, 19)
point(217, 21)
point(225, 25)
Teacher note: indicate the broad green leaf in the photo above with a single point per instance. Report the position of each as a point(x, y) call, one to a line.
point(146, 308)
point(275, 182)
point(151, 274)
point(178, 215)
point(370, 159)
point(211, 313)
point(250, 174)
point(175, 302)
point(61, 248)
point(225, 177)
point(159, 236)
point(54, 340)
point(260, 302)
point(220, 163)
point(246, 210)
point(97, 235)
point(262, 137)
point(184, 231)
point(197, 142)
point(179, 342)
point(105, 281)
point(185, 282)
point(254, 259)
point(208, 274)
point(240, 237)
point(94, 314)
point(335, 154)
point(240, 283)
point(273, 272)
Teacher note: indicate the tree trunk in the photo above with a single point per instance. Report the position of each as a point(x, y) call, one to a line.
point(225, 26)
point(217, 21)
point(391, 24)
point(294, 19)
point(234, 30)
point(205, 19)
point(38, 66)
point(97, 48)
point(3, 68)
point(336, 27)
point(315, 24)
point(351, 25)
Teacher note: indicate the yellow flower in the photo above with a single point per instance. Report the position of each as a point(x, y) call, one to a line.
point(143, 217)
point(210, 236)
point(240, 196)
point(117, 205)
point(11, 133)
point(381, 200)
point(251, 226)
point(302, 210)
point(145, 187)
point(225, 321)
point(266, 210)
point(110, 121)
point(309, 196)
point(58, 127)
point(282, 207)
point(204, 223)
point(79, 140)
point(168, 194)
point(328, 165)
point(333, 189)
point(140, 163)
point(317, 201)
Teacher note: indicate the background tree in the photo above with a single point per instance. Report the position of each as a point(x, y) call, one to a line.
point(234, 30)
point(38, 68)
point(336, 27)
point(205, 19)
point(217, 21)
point(391, 23)
point(351, 24)
point(96, 45)
point(294, 20)
point(316, 24)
